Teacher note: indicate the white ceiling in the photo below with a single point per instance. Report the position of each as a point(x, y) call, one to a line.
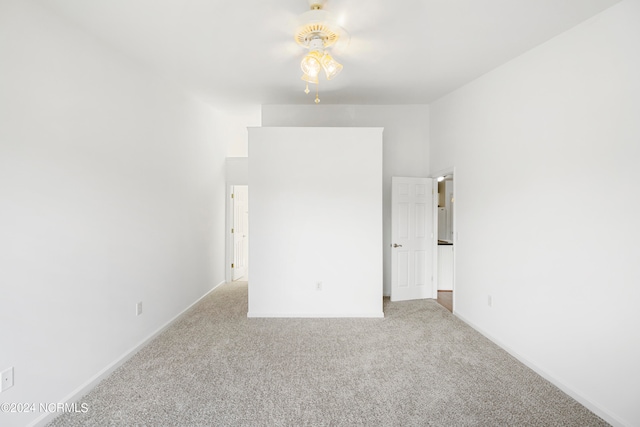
point(401, 52)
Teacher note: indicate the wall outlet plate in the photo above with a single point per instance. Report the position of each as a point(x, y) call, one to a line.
point(6, 379)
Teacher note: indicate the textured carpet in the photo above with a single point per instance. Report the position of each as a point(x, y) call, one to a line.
point(418, 366)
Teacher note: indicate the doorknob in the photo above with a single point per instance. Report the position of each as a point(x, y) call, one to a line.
point(395, 245)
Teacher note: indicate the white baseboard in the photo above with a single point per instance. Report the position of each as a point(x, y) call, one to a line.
point(544, 374)
point(105, 372)
point(315, 315)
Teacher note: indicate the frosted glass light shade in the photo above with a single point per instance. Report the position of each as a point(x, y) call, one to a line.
point(310, 79)
point(331, 67)
point(311, 63)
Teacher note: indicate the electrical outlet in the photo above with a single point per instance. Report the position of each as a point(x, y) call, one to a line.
point(318, 286)
point(139, 308)
point(489, 301)
point(6, 378)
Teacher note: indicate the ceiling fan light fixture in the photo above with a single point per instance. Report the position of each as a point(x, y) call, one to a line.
point(316, 31)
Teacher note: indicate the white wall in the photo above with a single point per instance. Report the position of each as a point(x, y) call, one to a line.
point(315, 198)
point(111, 192)
point(559, 129)
point(237, 170)
point(233, 123)
point(406, 143)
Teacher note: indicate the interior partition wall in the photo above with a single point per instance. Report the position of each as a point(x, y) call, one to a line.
point(316, 222)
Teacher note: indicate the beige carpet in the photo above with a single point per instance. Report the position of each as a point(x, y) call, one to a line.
point(419, 366)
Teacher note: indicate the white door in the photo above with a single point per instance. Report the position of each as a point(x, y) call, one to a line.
point(412, 238)
point(240, 231)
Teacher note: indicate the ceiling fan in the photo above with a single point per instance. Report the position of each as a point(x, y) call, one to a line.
point(318, 31)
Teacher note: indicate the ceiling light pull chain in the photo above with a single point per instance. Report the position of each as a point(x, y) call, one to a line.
point(317, 90)
point(306, 89)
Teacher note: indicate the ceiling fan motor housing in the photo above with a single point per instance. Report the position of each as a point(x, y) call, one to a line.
point(316, 24)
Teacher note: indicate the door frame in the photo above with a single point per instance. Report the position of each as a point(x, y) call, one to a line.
point(447, 171)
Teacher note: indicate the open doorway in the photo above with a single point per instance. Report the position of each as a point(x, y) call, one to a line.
point(240, 233)
point(445, 251)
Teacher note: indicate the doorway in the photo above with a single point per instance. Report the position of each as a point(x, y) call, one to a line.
point(446, 240)
point(240, 233)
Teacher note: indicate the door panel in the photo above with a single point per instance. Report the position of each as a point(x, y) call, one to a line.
point(420, 262)
point(412, 238)
point(403, 267)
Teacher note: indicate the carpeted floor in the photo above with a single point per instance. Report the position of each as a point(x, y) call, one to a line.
point(419, 366)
